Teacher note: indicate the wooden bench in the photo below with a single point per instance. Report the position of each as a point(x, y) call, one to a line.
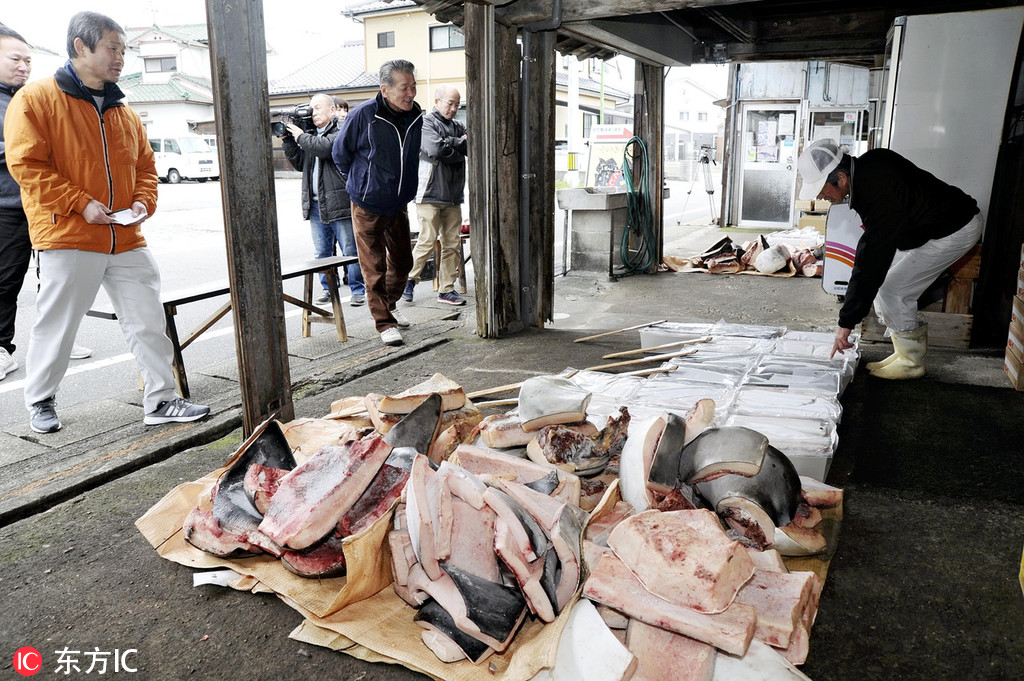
point(310, 312)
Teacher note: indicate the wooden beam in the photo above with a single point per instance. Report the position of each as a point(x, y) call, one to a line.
point(528, 11)
point(492, 74)
point(238, 61)
point(649, 38)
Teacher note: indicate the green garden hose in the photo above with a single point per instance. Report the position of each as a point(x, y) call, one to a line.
point(640, 224)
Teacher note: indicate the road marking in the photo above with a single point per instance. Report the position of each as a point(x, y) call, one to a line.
point(7, 385)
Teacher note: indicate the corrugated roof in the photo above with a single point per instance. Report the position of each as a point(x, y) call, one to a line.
point(358, 8)
point(179, 88)
point(334, 70)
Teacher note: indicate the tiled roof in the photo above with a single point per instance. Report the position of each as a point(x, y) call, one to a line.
point(365, 80)
point(334, 70)
point(187, 33)
point(357, 8)
point(180, 88)
point(589, 85)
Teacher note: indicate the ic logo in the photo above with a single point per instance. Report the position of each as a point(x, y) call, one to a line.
point(27, 661)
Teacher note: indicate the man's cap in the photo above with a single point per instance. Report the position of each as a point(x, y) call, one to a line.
point(814, 165)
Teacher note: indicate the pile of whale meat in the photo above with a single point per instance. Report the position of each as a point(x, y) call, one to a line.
point(678, 557)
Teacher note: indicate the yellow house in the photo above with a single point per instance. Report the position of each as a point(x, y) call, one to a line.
point(401, 29)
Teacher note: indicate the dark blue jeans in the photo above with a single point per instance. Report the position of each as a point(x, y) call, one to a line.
point(324, 238)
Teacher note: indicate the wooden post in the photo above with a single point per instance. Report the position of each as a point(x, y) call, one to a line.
point(648, 125)
point(541, 124)
point(239, 65)
point(492, 116)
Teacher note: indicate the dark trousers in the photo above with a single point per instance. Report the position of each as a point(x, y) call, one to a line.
point(15, 255)
point(385, 257)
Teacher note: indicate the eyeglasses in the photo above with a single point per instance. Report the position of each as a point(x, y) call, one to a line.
point(449, 102)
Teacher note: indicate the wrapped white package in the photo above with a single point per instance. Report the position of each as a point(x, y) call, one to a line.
point(671, 332)
point(610, 385)
point(753, 401)
point(724, 328)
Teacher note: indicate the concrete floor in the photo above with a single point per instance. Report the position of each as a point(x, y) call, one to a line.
point(923, 584)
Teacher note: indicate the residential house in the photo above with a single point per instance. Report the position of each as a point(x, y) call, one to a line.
point(167, 78)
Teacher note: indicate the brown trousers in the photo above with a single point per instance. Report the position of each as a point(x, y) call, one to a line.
point(385, 257)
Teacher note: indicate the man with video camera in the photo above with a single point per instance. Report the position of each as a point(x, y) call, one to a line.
point(325, 203)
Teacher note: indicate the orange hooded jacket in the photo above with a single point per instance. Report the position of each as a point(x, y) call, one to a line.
point(63, 152)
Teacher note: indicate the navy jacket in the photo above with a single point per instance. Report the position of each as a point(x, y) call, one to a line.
point(902, 207)
point(378, 151)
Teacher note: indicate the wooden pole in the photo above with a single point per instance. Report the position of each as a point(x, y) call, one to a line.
point(666, 346)
point(642, 360)
point(238, 60)
point(612, 333)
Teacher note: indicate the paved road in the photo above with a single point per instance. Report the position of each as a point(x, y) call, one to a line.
point(186, 235)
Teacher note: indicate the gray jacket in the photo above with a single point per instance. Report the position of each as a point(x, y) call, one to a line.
point(442, 173)
point(332, 199)
point(10, 192)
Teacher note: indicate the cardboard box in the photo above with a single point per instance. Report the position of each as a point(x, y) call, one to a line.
point(1017, 314)
point(1020, 282)
point(1015, 340)
point(815, 221)
point(1014, 368)
point(821, 205)
point(805, 206)
point(1022, 255)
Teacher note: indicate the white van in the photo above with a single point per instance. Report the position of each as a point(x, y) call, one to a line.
point(186, 157)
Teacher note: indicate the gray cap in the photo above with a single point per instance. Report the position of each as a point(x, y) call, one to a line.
point(814, 165)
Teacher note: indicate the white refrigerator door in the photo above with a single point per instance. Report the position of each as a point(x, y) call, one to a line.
point(952, 84)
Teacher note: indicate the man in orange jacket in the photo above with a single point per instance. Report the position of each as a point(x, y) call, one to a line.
point(80, 156)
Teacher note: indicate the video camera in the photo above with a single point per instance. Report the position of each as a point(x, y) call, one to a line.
point(300, 114)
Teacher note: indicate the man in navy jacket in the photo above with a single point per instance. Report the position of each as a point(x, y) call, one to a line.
point(378, 152)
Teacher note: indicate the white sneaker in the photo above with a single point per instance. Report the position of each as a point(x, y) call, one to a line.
point(391, 336)
point(400, 318)
point(80, 352)
point(7, 363)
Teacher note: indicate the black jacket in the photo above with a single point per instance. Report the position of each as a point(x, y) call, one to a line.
point(902, 207)
point(10, 192)
point(378, 151)
point(442, 176)
point(332, 199)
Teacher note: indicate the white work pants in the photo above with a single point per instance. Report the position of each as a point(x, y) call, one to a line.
point(913, 271)
point(68, 282)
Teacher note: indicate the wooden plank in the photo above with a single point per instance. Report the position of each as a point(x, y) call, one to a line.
point(944, 330)
point(958, 296)
point(969, 266)
point(239, 64)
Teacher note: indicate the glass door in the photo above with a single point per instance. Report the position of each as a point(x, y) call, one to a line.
point(767, 168)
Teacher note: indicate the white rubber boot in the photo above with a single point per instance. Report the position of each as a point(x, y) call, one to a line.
point(875, 366)
point(910, 347)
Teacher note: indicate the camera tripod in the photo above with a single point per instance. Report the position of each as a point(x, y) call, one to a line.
point(703, 167)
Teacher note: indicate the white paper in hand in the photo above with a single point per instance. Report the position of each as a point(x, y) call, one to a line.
point(125, 217)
